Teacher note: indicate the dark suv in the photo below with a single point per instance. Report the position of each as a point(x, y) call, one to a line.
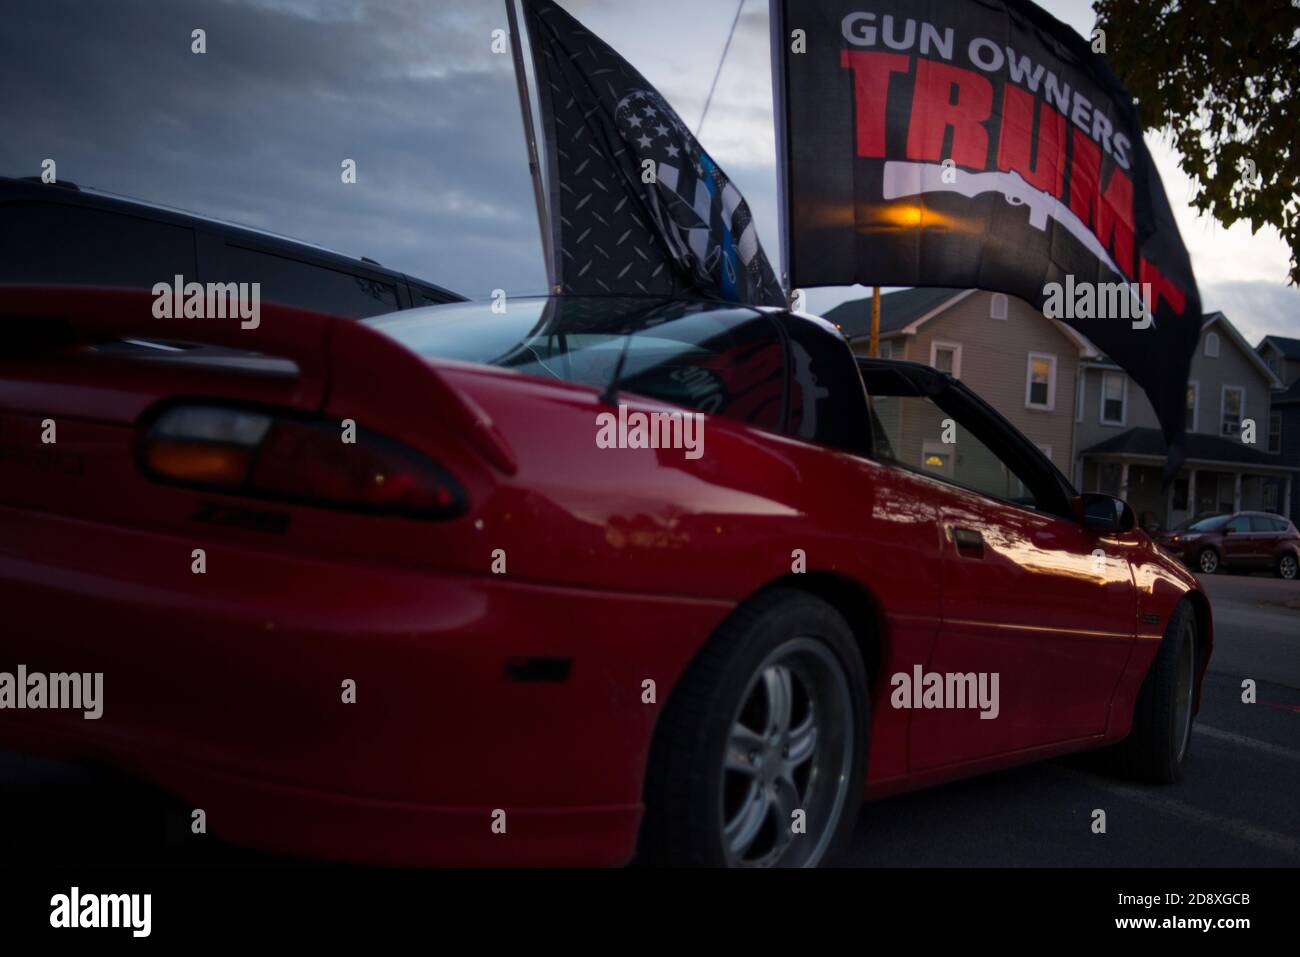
point(59, 234)
point(1245, 540)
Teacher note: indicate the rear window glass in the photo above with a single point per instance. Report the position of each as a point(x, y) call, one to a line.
point(724, 361)
point(58, 244)
point(308, 286)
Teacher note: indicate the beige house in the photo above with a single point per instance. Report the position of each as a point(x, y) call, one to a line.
point(1081, 409)
point(1020, 362)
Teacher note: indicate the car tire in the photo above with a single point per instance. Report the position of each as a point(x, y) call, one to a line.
point(1207, 561)
point(1159, 742)
point(1288, 567)
point(782, 674)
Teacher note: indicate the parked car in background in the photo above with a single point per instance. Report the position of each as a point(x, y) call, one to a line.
point(1242, 540)
point(61, 234)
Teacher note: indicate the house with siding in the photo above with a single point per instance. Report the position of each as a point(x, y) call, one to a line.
point(1282, 356)
point(1022, 363)
point(1084, 411)
point(1232, 459)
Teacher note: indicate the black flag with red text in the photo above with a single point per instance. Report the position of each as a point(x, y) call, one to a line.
point(982, 144)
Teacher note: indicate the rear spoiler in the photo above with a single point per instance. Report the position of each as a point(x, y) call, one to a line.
point(333, 354)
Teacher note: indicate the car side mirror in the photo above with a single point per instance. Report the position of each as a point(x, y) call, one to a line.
point(1103, 513)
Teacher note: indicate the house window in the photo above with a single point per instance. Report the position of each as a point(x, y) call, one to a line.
point(886, 350)
point(1040, 382)
point(1193, 400)
point(998, 306)
point(1275, 431)
point(936, 457)
point(1270, 497)
point(1114, 398)
point(946, 357)
point(1212, 345)
point(1232, 405)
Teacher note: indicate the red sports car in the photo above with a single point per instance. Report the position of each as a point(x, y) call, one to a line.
point(579, 581)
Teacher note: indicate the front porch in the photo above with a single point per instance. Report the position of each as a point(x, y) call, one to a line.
point(1206, 489)
point(1234, 478)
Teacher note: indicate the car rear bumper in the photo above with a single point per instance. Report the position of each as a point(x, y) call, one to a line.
point(473, 694)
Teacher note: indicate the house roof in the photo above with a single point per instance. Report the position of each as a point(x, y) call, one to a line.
point(1289, 395)
point(1212, 317)
point(1207, 320)
point(898, 309)
point(1290, 348)
point(1200, 448)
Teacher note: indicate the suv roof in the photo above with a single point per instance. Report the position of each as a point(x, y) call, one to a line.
point(31, 189)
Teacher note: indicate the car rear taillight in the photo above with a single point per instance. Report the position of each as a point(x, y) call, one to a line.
point(267, 455)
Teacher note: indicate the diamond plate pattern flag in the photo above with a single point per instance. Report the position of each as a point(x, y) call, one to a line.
point(687, 231)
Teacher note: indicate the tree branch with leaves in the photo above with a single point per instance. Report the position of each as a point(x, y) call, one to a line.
point(1223, 78)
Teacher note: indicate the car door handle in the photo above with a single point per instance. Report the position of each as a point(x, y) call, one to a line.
point(969, 542)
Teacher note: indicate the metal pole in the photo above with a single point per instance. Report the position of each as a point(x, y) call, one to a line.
point(530, 137)
point(875, 322)
point(779, 39)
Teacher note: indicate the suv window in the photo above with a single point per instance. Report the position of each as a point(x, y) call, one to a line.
point(1239, 524)
point(60, 244)
point(1262, 523)
point(308, 286)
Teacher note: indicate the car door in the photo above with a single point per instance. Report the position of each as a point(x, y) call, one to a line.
point(1033, 605)
point(1239, 541)
point(1268, 534)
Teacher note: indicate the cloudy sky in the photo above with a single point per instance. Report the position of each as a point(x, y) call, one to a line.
point(255, 130)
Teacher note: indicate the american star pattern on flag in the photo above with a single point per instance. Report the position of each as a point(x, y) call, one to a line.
point(686, 232)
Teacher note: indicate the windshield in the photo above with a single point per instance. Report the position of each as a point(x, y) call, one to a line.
point(704, 356)
point(1208, 524)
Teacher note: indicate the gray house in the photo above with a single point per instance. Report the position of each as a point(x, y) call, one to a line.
point(1233, 459)
point(1282, 356)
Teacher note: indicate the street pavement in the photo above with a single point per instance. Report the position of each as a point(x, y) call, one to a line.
point(1237, 806)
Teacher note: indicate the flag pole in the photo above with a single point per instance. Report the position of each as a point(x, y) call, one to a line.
point(530, 137)
point(875, 322)
point(776, 26)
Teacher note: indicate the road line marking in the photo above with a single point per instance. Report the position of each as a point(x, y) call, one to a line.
point(1274, 749)
point(1242, 830)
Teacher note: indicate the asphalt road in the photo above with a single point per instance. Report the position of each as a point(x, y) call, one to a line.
point(1238, 805)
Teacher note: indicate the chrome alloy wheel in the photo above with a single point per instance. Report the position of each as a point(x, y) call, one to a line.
point(790, 749)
